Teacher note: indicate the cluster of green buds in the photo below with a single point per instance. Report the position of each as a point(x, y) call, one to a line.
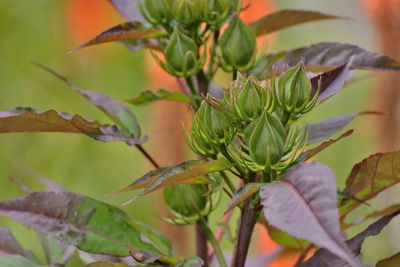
point(190, 24)
point(250, 126)
point(187, 203)
point(188, 12)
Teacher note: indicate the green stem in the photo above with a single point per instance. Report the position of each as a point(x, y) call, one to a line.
point(210, 236)
point(228, 182)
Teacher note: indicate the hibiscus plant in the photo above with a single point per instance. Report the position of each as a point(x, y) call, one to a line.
point(249, 143)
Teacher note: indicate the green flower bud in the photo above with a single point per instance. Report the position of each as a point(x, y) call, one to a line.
point(216, 128)
point(294, 90)
point(181, 54)
point(158, 11)
point(238, 45)
point(266, 139)
point(215, 12)
point(186, 11)
point(250, 98)
point(186, 199)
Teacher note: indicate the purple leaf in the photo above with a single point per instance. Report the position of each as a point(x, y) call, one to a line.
point(128, 9)
point(242, 194)
point(25, 119)
point(331, 54)
point(303, 204)
point(325, 258)
point(306, 155)
point(370, 177)
point(330, 81)
point(320, 131)
point(115, 109)
point(286, 18)
point(10, 245)
point(124, 32)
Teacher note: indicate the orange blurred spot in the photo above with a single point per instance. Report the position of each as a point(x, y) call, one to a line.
point(378, 7)
point(255, 11)
point(87, 18)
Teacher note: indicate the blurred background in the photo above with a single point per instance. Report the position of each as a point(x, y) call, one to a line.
point(45, 30)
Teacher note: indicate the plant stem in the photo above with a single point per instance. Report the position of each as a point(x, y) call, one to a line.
point(247, 221)
point(202, 83)
point(228, 182)
point(147, 155)
point(201, 244)
point(210, 236)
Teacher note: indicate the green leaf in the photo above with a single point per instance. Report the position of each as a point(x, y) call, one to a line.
point(115, 109)
point(148, 97)
point(10, 245)
point(88, 224)
point(331, 54)
point(16, 261)
point(122, 32)
point(286, 18)
point(393, 261)
point(188, 172)
point(370, 177)
point(306, 155)
point(242, 194)
point(54, 250)
point(25, 119)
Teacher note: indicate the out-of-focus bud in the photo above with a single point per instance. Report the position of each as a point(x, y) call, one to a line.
point(181, 55)
point(186, 200)
point(266, 137)
point(294, 91)
point(158, 11)
point(250, 97)
point(186, 11)
point(238, 46)
point(215, 12)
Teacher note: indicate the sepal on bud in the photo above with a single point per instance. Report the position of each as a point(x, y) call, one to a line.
point(186, 11)
point(156, 11)
point(215, 12)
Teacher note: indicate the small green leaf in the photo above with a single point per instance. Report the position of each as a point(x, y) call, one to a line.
point(122, 32)
point(286, 18)
point(188, 172)
point(54, 250)
point(370, 177)
point(242, 194)
point(25, 119)
point(148, 97)
point(88, 224)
